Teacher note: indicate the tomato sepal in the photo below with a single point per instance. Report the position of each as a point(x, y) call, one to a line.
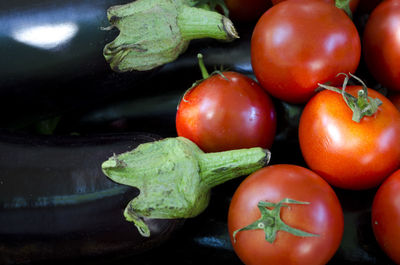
point(345, 6)
point(271, 222)
point(362, 105)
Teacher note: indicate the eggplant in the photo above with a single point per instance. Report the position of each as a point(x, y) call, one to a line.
point(40, 77)
point(52, 59)
point(56, 204)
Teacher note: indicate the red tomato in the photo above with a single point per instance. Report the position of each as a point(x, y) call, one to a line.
point(323, 217)
point(298, 44)
point(386, 216)
point(247, 10)
point(220, 114)
point(381, 44)
point(348, 154)
point(353, 3)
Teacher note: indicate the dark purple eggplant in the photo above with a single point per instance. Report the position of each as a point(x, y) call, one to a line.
point(52, 59)
point(56, 204)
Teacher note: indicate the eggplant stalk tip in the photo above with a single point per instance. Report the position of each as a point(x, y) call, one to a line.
point(175, 177)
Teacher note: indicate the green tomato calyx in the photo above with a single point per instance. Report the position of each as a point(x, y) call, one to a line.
point(362, 105)
point(175, 177)
point(271, 222)
point(345, 6)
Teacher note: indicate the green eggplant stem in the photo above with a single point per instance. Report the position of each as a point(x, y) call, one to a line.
point(175, 177)
point(155, 32)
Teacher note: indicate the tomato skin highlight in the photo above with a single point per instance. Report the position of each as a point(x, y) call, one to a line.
point(297, 44)
point(381, 44)
point(220, 114)
point(345, 153)
point(323, 216)
point(386, 216)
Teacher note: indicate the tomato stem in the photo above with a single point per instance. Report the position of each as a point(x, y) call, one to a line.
point(271, 222)
point(345, 6)
point(362, 105)
point(203, 68)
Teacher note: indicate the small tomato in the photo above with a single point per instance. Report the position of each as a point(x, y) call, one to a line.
point(227, 111)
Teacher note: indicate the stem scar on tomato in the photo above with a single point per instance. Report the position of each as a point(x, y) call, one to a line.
point(362, 105)
point(271, 222)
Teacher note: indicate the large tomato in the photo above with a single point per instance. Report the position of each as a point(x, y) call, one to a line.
point(350, 154)
point(298, 44)
point(352, 4)
point(386, 216)
point(245, 10)
point(227, 112)
point(381, 44)
point(321, 217)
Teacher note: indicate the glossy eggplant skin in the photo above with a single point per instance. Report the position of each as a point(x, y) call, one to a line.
point(56, 204)
point(52, 59)
point(42, 76)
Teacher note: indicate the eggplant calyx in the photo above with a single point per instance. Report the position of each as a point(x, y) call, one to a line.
point(271, 222)
point(362, 105)
point(212, 5)
point(175, 177)
point(156, 32)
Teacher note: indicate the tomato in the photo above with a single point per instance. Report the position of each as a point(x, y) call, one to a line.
point(247, 10)
point(381, 44)
point(227, 112)
point(297, 44)
point(386, 216)
point(322, 217)
point(353, 3)
point(349, 154)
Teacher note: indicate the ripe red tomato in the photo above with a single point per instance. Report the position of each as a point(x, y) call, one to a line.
point(323, 217)
point(381, 44)
point(353, 3)
point(222, 114)
point(298, 44)
point(346, 153)
point(247, 10)
point(386, 216)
